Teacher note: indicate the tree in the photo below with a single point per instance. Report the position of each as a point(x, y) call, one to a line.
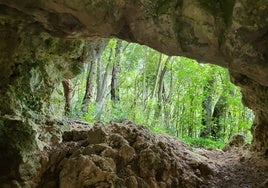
point(208, 107)
point(93, 54)
point(68, 94)
point(115, 72)
point(175, 95)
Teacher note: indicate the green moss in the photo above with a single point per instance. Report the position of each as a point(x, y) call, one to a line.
point(50, 44)
point(77, 69)
point(32, 63)
point(17, 145)
point(18, 134)
point(71, 48)
point(162, 7)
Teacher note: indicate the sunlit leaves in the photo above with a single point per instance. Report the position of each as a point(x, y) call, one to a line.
point(178, 107)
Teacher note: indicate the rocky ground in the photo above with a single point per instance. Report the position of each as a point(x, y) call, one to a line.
point(237, 168)
point(128, 155)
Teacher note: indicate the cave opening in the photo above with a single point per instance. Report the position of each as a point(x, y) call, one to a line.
point(193, 101)
point(42, 43)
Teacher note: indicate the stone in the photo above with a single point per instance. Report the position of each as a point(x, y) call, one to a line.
point(85, 171)
point(98, 135)
point(236, 141)
point(107, 165)
point(35, 56)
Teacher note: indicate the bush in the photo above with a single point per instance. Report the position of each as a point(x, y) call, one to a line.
point(206, 143)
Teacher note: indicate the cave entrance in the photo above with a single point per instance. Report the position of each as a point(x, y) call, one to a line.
point(176, 95)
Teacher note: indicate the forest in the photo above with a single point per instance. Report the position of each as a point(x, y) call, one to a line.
point(193, 101)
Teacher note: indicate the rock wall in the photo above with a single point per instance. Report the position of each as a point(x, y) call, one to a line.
point(231, 33)
point(33, 63)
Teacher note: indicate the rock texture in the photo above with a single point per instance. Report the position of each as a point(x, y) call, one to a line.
point(32, 64)
point(236, 141)
point(123, 155)
point(231, 33)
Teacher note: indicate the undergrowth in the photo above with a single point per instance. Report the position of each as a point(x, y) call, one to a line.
point(206, 143)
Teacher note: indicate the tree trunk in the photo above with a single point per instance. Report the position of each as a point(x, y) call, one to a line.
point(157, 75)
point(208, 108)
point(102, 83)
point(89, 86)
point(219, 111)
point(161, 89)
point(115, 72)
point(68, 94)
point(93, 54)
point(214, 108)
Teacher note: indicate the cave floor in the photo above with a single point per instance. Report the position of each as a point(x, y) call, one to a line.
point(237, 168)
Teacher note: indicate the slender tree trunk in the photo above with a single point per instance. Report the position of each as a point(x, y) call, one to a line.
point(144, 80)
point(68, 94)
point(161, 89)
point(177, 118)
point(208, 108)
point(157, 75)
point(89, 85)
point(102, 84)
point(115, 72)
point(219, 111)
point(151, 110)
point(102, 79)
point(93, 54)
point(170, 86)
point(144, 88)
point(190, 119)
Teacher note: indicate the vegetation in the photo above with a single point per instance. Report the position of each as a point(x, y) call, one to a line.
point(176, 95)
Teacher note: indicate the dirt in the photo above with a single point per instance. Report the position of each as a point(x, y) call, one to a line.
point(237, 168)
point(127, 155)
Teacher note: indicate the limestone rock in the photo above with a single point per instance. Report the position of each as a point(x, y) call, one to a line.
point(118, 160)
point(35, 56)
point(230, 33)
point(235, 141)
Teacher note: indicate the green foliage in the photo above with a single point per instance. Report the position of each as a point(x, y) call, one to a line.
point(90, 115)
point(169, 95)
point(206, 143)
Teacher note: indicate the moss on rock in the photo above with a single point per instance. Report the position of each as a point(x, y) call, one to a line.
point(32, 64)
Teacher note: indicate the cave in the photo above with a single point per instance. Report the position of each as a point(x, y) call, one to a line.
point(43, 42)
